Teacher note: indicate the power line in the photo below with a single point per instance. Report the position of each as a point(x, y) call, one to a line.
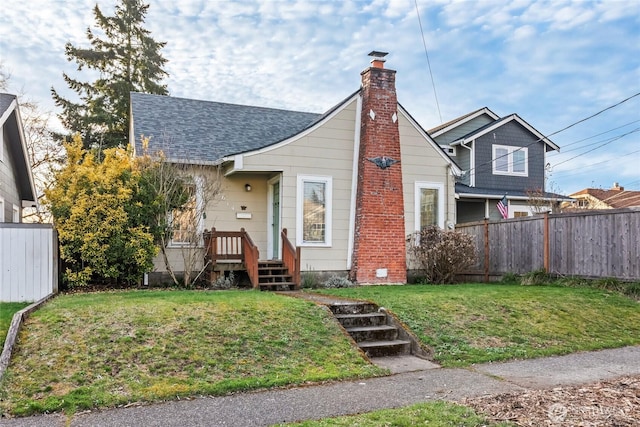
point(599, 146)
point(585, 168)
point(558, 131)
point(426, 52)
point(593, 115)
point(593, 136)
point(591, 144)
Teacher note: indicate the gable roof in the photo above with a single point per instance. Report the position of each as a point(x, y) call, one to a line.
point(446, 127)
point(17, 147)
point(616, 199)
point(501, 122)
point(204, 132)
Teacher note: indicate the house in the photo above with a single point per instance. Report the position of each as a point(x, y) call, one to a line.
point(17, 188)
point(348, 184)
point(615, 198)
point(503, 159)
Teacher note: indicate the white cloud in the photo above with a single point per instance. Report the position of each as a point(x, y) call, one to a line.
point(553, 62)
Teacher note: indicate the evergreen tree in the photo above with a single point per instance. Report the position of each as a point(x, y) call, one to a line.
point(126, 59)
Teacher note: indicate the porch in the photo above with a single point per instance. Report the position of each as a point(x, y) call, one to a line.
point(236, 251)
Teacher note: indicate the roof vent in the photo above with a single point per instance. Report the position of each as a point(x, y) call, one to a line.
point(378, 60)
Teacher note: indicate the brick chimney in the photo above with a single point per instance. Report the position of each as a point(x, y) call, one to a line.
point(379, 253)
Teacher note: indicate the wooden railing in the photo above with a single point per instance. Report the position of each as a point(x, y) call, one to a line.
point(238, 246)
point(291, 257)
point(251, 257)
point(233, 246)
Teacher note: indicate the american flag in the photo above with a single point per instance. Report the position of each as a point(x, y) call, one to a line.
point(503, 207)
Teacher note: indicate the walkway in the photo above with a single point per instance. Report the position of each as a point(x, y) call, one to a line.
point(341, 398)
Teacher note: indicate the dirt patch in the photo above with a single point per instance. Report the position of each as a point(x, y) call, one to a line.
point(607, 403)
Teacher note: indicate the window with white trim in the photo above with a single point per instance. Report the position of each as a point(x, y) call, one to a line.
point(509, 160)
point(313, 210)
point(16, 213)
point(429, 204)
point(186, 222)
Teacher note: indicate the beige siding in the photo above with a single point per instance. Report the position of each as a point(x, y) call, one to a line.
point(421, 162)
point(325, 151)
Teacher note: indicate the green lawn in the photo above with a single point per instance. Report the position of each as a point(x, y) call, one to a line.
point(104, 349)
point(476, 323)
point(433, 414)
point(7, 310)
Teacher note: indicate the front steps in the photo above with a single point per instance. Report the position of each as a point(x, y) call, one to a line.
point(274, 276)
point(373, 330)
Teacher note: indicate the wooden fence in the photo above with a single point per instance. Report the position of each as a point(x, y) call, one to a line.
point(28, 262)
point(585, 244)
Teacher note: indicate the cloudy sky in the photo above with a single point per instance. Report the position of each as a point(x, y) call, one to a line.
point(552, 62)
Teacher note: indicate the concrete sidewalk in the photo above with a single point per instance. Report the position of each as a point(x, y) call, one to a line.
point(350, 397)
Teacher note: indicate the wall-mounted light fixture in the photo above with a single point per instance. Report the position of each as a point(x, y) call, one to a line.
point(247, 187)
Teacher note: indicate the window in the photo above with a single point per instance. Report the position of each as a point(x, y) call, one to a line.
point(185, 222)
point(429, 204)
point(510, 160)
point(16, 214)
point(313, 216)
point(450, 150)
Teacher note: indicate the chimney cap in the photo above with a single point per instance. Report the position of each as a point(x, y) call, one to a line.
point(377, 54)
point(377, 58)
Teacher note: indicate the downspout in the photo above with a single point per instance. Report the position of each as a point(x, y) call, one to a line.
point(472, 181)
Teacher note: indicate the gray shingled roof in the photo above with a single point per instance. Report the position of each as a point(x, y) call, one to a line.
point(5, 101)
point(203, 132)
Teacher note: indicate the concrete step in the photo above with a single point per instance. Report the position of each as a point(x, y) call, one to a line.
point(384, 333)
point(353, 308)
point(385, 348)
point(362, 319)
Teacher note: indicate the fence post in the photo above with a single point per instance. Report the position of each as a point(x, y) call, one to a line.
point(546, 242)
point(486, 250)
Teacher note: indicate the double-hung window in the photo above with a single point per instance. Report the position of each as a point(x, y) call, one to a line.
point(509, 160)
point(429, 204)
point(313, 210)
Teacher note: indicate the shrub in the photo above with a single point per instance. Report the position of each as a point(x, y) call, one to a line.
point(442, 254)
point(225, 282)
point(309, 280)
point(537, 277)
point(338, 282)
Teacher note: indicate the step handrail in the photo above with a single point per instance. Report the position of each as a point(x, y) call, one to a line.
point(233, 246)
point(291, 258)
point(251, 257)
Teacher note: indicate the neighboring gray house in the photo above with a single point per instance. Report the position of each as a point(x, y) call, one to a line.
point(500, 157)
point(16, 182)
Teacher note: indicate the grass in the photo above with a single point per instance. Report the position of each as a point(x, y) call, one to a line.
point(106, 349)
point(434, 414)
point(474, 323)
point(7, 310)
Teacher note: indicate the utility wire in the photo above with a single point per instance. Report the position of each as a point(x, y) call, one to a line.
point(426, 52)
point(599, 146)
point(585, 168)
point(558, 131)
point(593, 136)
